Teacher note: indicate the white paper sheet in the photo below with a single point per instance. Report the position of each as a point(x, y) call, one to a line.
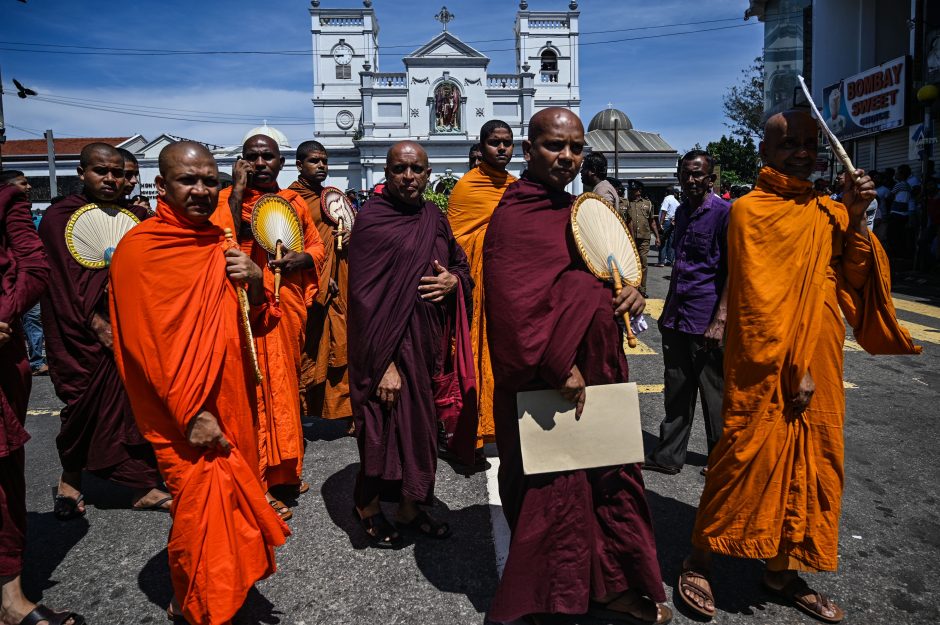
point(608, 432)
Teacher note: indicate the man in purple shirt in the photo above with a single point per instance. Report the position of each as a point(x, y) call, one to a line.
point(693, 320)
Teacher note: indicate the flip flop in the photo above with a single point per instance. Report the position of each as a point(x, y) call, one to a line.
point(382, 534)
point(793, 592)
point(65, 508)
point(155, 507)
point(282, 510)
point(41, 613)
point(423, 523)
point(706, 595)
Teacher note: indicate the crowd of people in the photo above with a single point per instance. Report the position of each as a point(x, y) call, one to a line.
point(186, 364)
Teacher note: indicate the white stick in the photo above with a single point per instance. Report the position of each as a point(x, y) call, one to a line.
point(833, 140)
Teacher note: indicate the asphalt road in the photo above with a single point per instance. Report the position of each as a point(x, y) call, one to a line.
point(112, 565)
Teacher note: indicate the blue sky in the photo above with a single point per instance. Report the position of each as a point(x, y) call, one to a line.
point(670, 84)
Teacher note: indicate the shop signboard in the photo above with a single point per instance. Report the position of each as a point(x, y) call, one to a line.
point(868, 102)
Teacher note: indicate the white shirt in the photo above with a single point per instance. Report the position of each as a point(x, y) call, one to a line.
point(668, 208)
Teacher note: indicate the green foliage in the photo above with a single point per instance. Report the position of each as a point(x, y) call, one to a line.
point(738, 159)
point(744, 102)
point(440, 199)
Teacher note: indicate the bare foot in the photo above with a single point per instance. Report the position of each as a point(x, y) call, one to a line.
point(147, 499)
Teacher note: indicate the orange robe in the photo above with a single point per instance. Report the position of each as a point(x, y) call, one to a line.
point(280, 436)
point(471, 205)
point(180, 349)
point(775, 479)
point(324, 375)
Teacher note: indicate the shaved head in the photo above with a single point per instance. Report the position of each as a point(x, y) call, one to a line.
point(790, 143)
point(261, 140)
point(181, 151)
point(407, 172)
point(551, 118)
point(264, 154)
point(555, 147)
point(98, 149)
point(189, 181)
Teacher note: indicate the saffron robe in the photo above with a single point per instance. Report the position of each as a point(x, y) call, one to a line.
point(24, 273)
point(280, 436)
point(775, 479)
point(471, 206)
point(324, 376)
point(394, 247)
point(98, 432)
point(180, 347)
point(576, 535)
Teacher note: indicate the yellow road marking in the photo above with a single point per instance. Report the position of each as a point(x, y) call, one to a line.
point(917, 307)
point(37, 413)
point(848, 384)
point(920, 332)
point(654, 308)
point(658, 388)
point(852, 346)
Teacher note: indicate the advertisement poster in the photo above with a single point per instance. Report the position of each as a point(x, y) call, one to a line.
point(868, 102)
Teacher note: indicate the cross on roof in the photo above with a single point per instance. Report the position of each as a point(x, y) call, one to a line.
point(444, 17)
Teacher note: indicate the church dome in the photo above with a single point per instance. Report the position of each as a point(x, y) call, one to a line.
point(605, 120)
point(268, 131)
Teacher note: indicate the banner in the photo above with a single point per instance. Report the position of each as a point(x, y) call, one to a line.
point(871, 101)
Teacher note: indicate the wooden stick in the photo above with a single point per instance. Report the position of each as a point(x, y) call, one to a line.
point(340, 230)
point(841, 154)
point(618, 287)
point(245, 308)
point(277, 273)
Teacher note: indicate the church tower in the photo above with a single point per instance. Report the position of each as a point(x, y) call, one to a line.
point(345, 42)
point(547, 46)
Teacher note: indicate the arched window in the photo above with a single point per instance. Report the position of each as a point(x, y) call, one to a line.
point(549, 72)
point(447, 108)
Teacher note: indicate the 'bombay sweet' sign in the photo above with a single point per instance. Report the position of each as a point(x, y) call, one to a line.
point(868, 102)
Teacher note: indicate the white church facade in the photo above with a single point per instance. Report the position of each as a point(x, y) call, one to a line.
point(442, 97)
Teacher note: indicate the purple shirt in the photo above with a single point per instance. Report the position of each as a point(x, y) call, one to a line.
point(700, 268)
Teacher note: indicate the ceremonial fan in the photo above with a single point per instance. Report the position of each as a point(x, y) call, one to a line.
point(244, 310)
point(339, 211)
point(275, 226)
point(606, 246)
point(833, 140)
point(93, 232)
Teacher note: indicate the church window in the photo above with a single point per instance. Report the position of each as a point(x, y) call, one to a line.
point(343, 72)
point(447, 108)
point(549, 72)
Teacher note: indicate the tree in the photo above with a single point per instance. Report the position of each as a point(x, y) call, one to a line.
point(744, 102)
point(737, 157)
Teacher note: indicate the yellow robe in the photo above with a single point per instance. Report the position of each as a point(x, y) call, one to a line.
point(775, 480)
point(471, 205)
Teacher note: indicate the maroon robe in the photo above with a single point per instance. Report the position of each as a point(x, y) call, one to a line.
point(578, 535)
point(98, 431)
point(388, 321)
point(24, 274)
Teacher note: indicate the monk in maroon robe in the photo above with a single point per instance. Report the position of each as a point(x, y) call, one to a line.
point(404, 271)
point(580, 539)
point(24, 274)
point(98, 431)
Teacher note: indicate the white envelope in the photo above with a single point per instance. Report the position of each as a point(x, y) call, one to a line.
point(608, 432)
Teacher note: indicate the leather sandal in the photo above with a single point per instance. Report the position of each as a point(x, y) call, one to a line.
point(794, 592)
point(282, 510)
point(65, 508)
point(686, 585)
point(630, 598)
point(382, 534)
point(423, 523)
point(41, 613)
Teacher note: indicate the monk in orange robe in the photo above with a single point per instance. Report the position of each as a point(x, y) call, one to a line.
point(775, 478)
point(471, 205)
point(280, 436)
point(324, 375)
point(181, 350)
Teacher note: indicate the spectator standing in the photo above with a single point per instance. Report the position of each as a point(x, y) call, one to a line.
point(667, 212)
point(900, 206)
point(643, 225)
point(594, 175)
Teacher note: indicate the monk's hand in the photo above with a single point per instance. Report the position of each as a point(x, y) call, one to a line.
point(6, 333)
point(858, 195)
point(630, 301)
point(240, 268)
point(389, 388)
point(241, 172)
point(333, 288)
point(436, 288)
point(804, 393)
point(102, 329)
point(342, 233)
point(293, 261)
point(203, 431)
point(573, 390)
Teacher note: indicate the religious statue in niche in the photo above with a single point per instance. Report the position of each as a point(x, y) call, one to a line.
point(447, 108)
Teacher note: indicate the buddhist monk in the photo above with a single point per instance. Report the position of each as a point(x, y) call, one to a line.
point(98, 432)
point(581, 540)
point(182, 351)
point(24, 273)
point(280, 437)
point(471, 206)
point(131, 173)
point(797, 262)
point(324, 379)
point(404, 272)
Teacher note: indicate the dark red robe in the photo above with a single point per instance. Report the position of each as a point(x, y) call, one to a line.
point(24, 274)
point(98, 430)
point(577, 535)
point(388, 321)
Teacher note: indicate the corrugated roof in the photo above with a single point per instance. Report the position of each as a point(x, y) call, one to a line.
point(37, 147)
point(628, 141)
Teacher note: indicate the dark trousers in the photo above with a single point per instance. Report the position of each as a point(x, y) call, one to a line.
point(690, 368)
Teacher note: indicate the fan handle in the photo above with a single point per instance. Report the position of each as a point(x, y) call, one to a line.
point(618, 287)
point(340, 230)
point(277, 274)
